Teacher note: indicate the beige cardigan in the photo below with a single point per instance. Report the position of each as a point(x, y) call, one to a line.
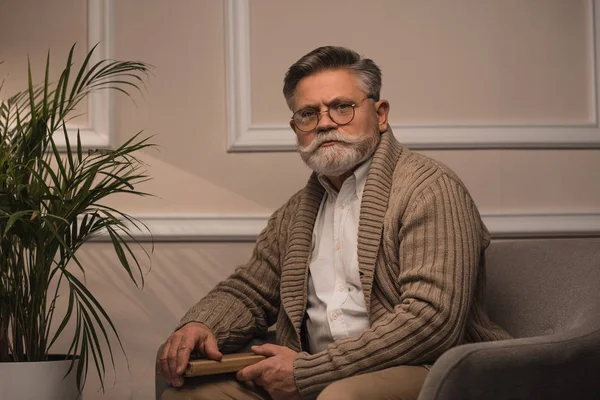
point(420, 254)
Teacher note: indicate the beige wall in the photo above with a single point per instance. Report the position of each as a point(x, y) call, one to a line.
point(494, 69)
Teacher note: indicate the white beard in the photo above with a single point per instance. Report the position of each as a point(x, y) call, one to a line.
point(339, 158)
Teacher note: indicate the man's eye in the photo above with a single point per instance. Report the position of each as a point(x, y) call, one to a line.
point(343, 108)
point(306, 114)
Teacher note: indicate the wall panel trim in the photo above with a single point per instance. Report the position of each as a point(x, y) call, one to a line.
point(245, 228)
point(244, 136)
point(97, 133)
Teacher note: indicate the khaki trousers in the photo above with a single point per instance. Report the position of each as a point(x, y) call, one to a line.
point(397, 383)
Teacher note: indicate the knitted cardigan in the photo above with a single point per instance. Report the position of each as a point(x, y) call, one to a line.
point(420, 254)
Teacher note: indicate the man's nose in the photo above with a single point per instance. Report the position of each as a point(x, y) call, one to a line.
point(325, 122)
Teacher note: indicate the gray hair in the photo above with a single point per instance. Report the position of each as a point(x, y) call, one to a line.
point(324, 58)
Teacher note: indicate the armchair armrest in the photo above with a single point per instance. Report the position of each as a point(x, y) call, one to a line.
point(558, 366)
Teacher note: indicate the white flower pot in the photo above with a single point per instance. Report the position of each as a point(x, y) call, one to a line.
point(43, 380)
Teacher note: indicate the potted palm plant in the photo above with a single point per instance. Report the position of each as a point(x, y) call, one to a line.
point(50, 205)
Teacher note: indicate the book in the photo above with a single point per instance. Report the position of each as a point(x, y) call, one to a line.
point(229, 363)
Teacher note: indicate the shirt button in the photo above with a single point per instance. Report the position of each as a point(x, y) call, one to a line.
point(342, 206)
point(334, 316)
point(341, 287)
point(338, 245)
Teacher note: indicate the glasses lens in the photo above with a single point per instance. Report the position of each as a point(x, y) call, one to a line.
point(342, 113)
point(307, 119)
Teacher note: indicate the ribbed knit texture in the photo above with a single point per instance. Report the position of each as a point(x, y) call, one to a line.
point(420, 254)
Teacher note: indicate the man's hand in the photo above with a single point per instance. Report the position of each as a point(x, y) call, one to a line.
point(176, 352)
point(275, 374)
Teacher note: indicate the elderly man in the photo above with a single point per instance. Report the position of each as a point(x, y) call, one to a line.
point(369, 273)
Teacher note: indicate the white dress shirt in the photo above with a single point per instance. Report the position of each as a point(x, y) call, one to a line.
point(336, 305)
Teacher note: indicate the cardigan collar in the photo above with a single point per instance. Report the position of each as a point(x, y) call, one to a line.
point(374, 203)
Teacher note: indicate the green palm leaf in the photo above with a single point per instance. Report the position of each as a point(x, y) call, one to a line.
point(51, 204)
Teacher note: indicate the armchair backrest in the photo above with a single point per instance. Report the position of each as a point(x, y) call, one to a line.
point(543, 286)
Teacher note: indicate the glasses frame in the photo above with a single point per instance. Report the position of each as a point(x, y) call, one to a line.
point(319, 113)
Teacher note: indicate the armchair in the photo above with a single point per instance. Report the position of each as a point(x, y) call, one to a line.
point(546, 293)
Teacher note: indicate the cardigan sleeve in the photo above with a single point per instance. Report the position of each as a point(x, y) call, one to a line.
point(440, 244)
point(245, 304)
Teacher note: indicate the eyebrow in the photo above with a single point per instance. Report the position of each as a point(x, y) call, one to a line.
point(336, 100)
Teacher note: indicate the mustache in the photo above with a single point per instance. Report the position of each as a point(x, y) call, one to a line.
point(330, 136)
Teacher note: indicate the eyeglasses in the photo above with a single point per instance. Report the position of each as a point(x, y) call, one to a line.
point(307, 119)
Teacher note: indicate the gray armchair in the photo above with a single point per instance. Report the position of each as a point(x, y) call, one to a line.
point(546, 293)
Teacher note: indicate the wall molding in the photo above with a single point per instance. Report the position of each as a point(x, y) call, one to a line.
point(542, 225)
point(97, 132)
point(245, 228)
point(244, 136)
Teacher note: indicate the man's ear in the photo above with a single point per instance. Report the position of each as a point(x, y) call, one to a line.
point(293, 125)
point(382, 107)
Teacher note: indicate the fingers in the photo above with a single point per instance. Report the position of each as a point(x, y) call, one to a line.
point(252, 372)
point(183, 354)
point(255, 371)
point(166, 364)
point(163, 363)
point(211, 350)
point(172, 360)
point(175, 355)
point(267, 349)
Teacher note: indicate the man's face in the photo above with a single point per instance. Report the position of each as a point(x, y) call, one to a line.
point(333, 149)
